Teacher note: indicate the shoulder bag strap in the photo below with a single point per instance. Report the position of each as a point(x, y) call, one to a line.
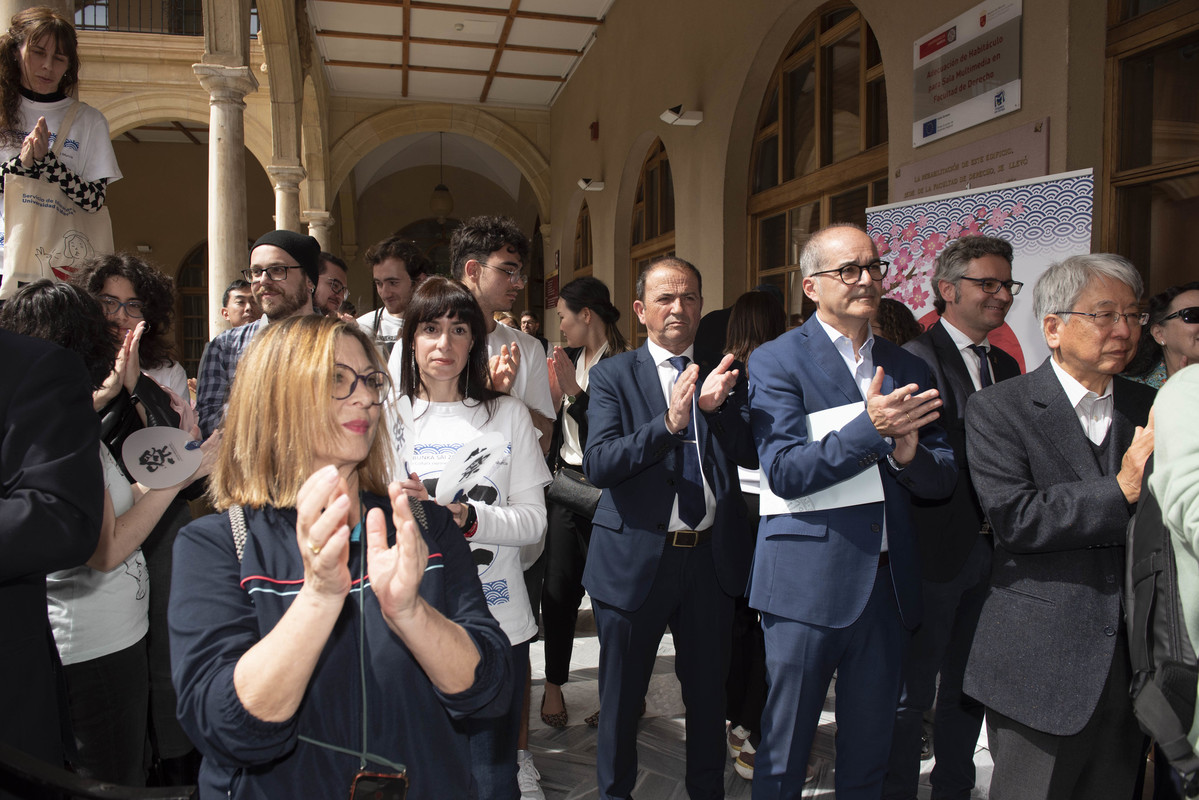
point(60, 137)
point(237, 521)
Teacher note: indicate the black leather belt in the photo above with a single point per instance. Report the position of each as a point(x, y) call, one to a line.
point(884, 558)
point(688, 538)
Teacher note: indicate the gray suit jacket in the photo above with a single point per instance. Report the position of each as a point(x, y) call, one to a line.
point(946, 530)
point(1048, 629)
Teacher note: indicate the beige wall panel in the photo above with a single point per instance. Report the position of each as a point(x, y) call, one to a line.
point(162, 200)
point(717, 57)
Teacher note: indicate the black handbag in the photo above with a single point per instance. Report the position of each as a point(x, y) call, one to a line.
point(571, 490)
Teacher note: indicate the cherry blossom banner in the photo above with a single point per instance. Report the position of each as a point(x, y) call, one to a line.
point(1045, 219)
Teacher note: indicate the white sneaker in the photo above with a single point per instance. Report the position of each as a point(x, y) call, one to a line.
point(736, 739)
point(527, 777)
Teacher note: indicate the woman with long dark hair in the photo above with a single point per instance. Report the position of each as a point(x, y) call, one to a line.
point(99, 611)
point(444, 376)
point(131, 291)
point(588, 324)
point(39, 73)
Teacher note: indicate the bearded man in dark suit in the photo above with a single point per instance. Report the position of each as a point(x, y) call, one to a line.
point(974, 289)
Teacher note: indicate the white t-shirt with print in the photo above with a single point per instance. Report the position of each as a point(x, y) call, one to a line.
point(509, 502)
point(95, 613)
point(87, 151)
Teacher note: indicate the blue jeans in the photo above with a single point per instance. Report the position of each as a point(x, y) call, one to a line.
point(493, 740)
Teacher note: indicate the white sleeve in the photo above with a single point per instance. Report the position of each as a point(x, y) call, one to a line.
point(520, 522)
point(535, 380)
point(98, 161)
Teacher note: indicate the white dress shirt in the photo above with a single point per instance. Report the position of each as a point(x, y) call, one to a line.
point(861, 367)
point(963, 344)
point(667, 375)
point(1094, 410)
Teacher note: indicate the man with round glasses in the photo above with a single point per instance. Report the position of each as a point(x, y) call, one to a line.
point(973, 290)
point(332, 286)
point(283, 274)
point(836, 573)
point(1057, 457)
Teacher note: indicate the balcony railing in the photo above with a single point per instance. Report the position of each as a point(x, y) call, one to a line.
point(176, 17)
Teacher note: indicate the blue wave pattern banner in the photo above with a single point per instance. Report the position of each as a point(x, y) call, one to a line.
point(1045, 220)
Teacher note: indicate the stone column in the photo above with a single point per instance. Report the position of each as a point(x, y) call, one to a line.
point(286, 178)
point(320, 227)
point(227, 226)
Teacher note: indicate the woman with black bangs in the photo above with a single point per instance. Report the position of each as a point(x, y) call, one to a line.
point(39, 75)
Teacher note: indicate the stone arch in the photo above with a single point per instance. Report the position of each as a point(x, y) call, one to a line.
point(131, 110)
point(432, 117)
point(622, 223)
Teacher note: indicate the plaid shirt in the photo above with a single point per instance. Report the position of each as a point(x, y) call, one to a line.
point(216, 373)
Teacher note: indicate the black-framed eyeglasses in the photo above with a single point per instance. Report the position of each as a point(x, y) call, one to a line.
point(516, 276)
point(852, 273)
point(1107, 319)
point(133, 308)
point(345, 381)
point(277, 272)
point(993, 285)
point(335, 285)
point(1188, 315)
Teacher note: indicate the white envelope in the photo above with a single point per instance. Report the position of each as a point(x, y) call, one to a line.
point(865, 487)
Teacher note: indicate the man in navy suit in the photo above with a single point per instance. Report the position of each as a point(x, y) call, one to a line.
point(666, 546)
point(837, 578)
point(974, 289)
point(1057, 457)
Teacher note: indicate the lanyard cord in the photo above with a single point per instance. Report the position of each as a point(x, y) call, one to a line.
point(364, 753)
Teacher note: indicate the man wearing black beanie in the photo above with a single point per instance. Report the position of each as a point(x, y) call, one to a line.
point(283, 271)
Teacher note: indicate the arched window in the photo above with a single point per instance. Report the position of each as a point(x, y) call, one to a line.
point(820, 148)
point(583, 258)
point(653, 221)
point(191, 315)
point(1152, 192)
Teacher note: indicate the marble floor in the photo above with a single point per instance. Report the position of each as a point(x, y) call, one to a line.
point(566, 757)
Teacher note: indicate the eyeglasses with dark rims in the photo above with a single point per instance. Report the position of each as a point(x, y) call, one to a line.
point(852, 273)
point(346, 380)
point(993, 285)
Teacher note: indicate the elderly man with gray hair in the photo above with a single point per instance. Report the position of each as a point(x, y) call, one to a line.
point(1056, 457)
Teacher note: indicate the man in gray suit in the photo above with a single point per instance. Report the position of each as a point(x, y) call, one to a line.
point(973, 290)
point(1056, 456)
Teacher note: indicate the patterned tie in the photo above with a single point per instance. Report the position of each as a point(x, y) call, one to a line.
point(984, 369)
point(688, 477)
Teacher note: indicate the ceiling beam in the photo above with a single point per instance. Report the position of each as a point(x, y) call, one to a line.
point(407, 45)
point(423, 5)
point(179, 127)
point(499, 49)
point(479, 73)
point(129, 135)
point(387, 37)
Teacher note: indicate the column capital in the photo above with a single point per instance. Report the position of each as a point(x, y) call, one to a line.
point(286, 176)
point(226, 84)
point(544, 230)
point(317, 219)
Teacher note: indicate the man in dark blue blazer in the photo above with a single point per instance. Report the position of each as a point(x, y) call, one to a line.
point(51, 504)
point(974, 289)
point(837, 579)
point(666, 544)
point(1057, 457)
